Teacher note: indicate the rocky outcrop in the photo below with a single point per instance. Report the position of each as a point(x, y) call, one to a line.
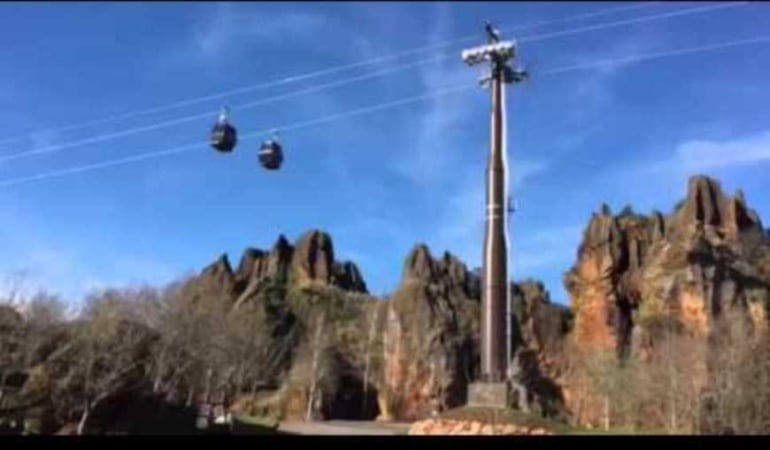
point(310, 262)
point(639, 277)
point(709, 210)
point(346, 276)
point(429, 337)
point(313, 258)
point(447, 274)
point(218, 276)
point(538, 330)
point(539, 323)
point(612, 250)
point(702, 258)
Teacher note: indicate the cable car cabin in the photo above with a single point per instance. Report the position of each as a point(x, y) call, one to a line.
point(271, 155)
point(224, 137)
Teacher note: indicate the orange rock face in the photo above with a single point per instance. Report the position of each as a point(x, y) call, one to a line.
point(430, 338)
point(633, 270)
point(424, 339)
point(693, 314)
point(688, 258)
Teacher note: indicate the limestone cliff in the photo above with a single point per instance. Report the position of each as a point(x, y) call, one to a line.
point(429, 337)
point(708, 255)
point(310, 262)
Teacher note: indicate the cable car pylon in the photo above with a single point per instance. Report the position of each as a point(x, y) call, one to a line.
point(495, 322)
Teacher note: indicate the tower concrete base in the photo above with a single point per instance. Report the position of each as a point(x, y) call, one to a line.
point(487, 394)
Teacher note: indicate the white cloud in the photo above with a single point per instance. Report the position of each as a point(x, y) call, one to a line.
point(638, 43)
point(229, 26)
point(43, 139)
point(31, 142)
point(163, 182)
point(71, 268)
point(73, 275)
point(705, 154)
point(48, 268)
point(435, 145)
point(431, 156)
point(520, 171)
point(545, 248)
point(592, 93)
point(363, 48)
point(461, 227)
point(225, 32)
point(697, 155)
point(357, 233)
point(574, 139)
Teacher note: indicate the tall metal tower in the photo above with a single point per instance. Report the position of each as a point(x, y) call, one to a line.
point(495, 289)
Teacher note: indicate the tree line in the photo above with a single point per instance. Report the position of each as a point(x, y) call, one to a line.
point(186, 343)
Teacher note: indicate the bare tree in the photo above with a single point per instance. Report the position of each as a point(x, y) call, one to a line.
point(106, 355)
point(738, 377)
point(670, 382)
point(12, 330)
point(317, 345)
point(371, 348)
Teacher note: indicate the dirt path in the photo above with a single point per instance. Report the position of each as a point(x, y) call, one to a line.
point(342, 427)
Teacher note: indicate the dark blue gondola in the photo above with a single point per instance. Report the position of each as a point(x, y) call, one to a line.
point(223, 135)
point(271, 154)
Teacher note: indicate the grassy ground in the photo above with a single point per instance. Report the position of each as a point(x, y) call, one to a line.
point(255, 425)
point(258, 421)
point(615, 431)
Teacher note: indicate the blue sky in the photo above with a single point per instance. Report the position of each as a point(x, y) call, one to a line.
point(381, 182)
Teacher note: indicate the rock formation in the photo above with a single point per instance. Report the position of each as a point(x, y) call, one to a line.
point(639, 277)
point(708, 255)
point(430, 337)
point(538, 329)
point(308, 263)
point(538, 322)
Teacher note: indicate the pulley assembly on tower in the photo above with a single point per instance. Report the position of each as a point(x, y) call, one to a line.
point(496, 52)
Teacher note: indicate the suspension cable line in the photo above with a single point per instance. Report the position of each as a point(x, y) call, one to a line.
point(208, 114)
point(373, 108)
point(293, 126)
point(164, 124)
point(655, 55)
point(681, 12)
point(318, 73)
